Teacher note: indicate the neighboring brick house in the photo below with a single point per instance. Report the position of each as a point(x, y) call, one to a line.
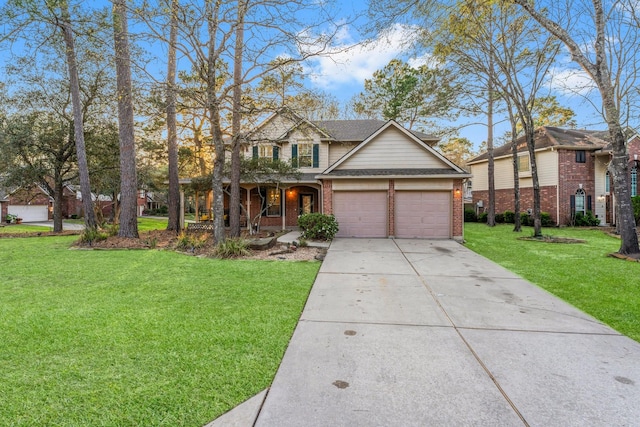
point(29, 203)
point(376, 177)
point(571, 172)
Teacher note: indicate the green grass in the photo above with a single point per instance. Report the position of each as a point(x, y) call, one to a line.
point(581, 274)
point(24, 228)
point(138, 337)
point(146, 224)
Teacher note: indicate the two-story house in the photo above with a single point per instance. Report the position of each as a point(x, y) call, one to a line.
point(572, 173)
point(378, 178)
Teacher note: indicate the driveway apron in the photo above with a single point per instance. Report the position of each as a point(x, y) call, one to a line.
point(427, 333)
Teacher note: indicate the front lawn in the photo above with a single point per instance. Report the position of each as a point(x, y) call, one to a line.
point(24, 228)
point(139, 337)
point(581, 273)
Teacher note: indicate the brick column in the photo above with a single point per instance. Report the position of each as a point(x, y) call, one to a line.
point(327, 197)
point(458, 211)
point(392, 209)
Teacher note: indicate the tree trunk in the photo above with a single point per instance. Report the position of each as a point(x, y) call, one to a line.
point(491, 213)
point(517, 225)
point(530, 135)
point(213, 108)
point(128, 176)
point(172, 134)
point(234, 200)
point(58, 186)
point(78, 119)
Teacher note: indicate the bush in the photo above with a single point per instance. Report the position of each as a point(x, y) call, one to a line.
point(191, 242)
point(317, 226)
point(89, 236)
point(232, 248)
point(635, 202)
point(525, 219)
point(509, 217)
point(483, 217)
point(470, 215)
point(586, 220)
point(545, 219)
point(499, 218)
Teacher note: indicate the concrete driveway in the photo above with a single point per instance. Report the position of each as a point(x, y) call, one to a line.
point(427, 333)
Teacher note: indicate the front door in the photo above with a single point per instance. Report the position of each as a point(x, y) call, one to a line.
point(305, 202)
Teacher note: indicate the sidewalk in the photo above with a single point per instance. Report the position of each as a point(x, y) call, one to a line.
point(420, 333)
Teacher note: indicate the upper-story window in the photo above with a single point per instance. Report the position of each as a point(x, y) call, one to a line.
point(305, 155)
point(581, 156)
point(523, 163)
point(267, 151)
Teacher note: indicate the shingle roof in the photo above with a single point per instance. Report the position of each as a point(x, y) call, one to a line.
point(359, 130)
point(548, 136)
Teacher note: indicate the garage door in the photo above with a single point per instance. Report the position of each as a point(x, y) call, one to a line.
point(361, 213)
point(423, 214)
point(29, 213)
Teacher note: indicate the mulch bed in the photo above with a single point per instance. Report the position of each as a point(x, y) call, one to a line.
point(551, 239)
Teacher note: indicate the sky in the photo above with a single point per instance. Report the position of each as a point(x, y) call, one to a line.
point(356, 57)
point(343, 74)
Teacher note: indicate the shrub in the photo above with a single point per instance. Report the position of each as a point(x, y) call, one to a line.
point(635, 202)
point(191, 242)
point(586, 220)
point(545, 219)
point(317, 226)
point(483, 217)
point(525, 219)
point(509, 217)
point(499, 218)
point(232, 248)
point(90, 235)
point(470, 215)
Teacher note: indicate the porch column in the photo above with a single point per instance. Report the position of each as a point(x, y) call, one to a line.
point(249, 209)
point(283, 196)
point(181, 219)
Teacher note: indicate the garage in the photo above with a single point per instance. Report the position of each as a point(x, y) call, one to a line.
point(30, 213)
point(423, 214)
point(361, 213)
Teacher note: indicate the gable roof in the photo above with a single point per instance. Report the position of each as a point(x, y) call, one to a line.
point(549, 136)
point(359, 130)
point(448, 168)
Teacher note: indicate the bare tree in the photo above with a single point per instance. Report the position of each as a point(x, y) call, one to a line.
point(606, 50)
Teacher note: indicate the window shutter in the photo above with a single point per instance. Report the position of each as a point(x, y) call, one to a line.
point(572, 203)
point(316, 155)
point(255, 151)
point(294, 155)
point(589, 203)
point(276, 152)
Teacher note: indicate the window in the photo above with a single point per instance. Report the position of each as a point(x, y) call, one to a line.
point(265, 151)
point(581, 156)
point(273, 202)
point(607, 183)
point(523, 163)
point(580, 201)
point(634, 182)
point(305, 155)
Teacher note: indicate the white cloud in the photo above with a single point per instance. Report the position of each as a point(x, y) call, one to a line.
point(571, 81)
point(350, 62)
